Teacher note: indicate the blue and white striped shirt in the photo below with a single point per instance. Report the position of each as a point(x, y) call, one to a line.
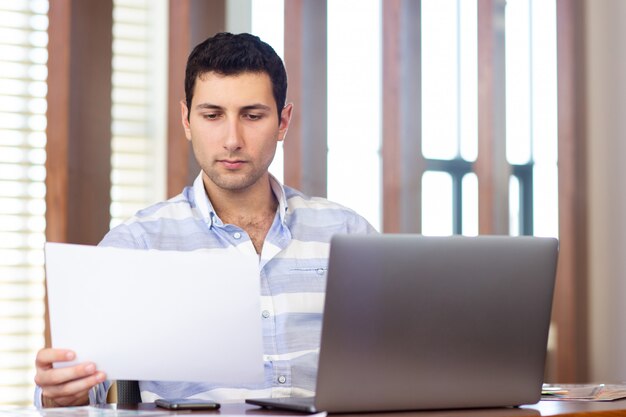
point(293, 266)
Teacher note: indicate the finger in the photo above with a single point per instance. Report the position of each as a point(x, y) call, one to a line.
point(45, 357)
point(58, 376)
point(74, 388)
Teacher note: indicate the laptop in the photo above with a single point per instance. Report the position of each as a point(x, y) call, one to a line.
point(422, 323)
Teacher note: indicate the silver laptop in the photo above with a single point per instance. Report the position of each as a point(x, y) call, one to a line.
point(414, 322)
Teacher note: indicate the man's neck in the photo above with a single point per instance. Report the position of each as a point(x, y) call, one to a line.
point(252, 209)
point(251, 202)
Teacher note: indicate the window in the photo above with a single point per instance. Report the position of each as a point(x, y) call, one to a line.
point(139, 106)
point(354, 110)
point(531, 116)
point(449, 117)
point(23, 73)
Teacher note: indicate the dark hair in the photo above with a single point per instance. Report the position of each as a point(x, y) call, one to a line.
point(229, 54)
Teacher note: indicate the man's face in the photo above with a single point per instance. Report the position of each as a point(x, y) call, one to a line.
point(233, 128)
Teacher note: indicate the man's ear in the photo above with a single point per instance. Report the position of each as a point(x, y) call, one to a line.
point(184, 114)
point(285, 119)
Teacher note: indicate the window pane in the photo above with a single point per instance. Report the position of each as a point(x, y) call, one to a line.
point(470, 204)
point(437, 204)
point(518, 82)
point(544, 88)
point(468, 71)
point(546, 200)
point(354, 116)
point(138, 114)
point(449, 79)
point(514, 206)
point(440, 79)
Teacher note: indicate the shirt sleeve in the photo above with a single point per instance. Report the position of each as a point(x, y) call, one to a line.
point(98, 394)
point(123, 237)
point(359, 225)
point(38, 401)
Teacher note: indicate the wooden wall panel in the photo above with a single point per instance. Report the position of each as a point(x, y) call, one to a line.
point(491, 166)
point(570, 312)
point(392, 172)
point(190, 22)
point(292, 145)
point(403, 164)
point(305, 147)
point(57, 130)
point(178, 148)
point(79, 121)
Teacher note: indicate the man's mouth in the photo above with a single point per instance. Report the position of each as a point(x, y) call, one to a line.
point(231, 163)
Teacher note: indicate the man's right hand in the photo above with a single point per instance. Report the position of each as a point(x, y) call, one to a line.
point(68, 386)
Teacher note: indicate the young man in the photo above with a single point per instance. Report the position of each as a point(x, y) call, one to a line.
point(234, 115)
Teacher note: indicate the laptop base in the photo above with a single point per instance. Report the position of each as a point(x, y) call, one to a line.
point(301, 404)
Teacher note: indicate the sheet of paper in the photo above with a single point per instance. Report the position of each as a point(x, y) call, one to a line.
point(158, 315)
point(86, 411)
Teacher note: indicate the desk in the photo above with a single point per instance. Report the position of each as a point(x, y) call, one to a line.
point(543, 408)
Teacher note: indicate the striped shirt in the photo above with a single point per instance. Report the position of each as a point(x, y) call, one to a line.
point(293, 266)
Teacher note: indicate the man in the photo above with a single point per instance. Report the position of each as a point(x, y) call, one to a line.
point(234, 115)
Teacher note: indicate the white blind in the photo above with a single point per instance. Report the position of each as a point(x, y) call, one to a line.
point(23, 73)
point(139, 111)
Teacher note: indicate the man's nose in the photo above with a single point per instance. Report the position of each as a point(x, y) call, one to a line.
point(233, 139)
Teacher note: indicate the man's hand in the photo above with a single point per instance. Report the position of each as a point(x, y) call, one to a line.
point(64, 387)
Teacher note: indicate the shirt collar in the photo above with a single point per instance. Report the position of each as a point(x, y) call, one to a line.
point(204, 205)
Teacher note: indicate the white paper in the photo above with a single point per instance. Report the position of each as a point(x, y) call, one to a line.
point(84, 411)
point(158, 315)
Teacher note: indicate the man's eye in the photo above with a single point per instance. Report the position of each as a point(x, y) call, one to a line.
point(252, 116)
point(210, 116)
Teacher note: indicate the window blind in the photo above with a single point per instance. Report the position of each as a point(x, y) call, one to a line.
point(139, 111)
point(23, 73)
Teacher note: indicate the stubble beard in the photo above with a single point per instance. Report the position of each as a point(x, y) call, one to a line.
point(235, 181)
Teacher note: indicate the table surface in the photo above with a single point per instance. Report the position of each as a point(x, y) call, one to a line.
point(542, 408)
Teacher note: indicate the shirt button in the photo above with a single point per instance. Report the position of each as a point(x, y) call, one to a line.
point(265, 313)
point(237, 235)
point(320, 271)
point(282, 379)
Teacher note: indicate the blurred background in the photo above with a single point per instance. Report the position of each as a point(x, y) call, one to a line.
point(435, 116)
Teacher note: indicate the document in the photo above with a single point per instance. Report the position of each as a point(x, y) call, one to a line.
point(85, 411)
point(158, 315)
